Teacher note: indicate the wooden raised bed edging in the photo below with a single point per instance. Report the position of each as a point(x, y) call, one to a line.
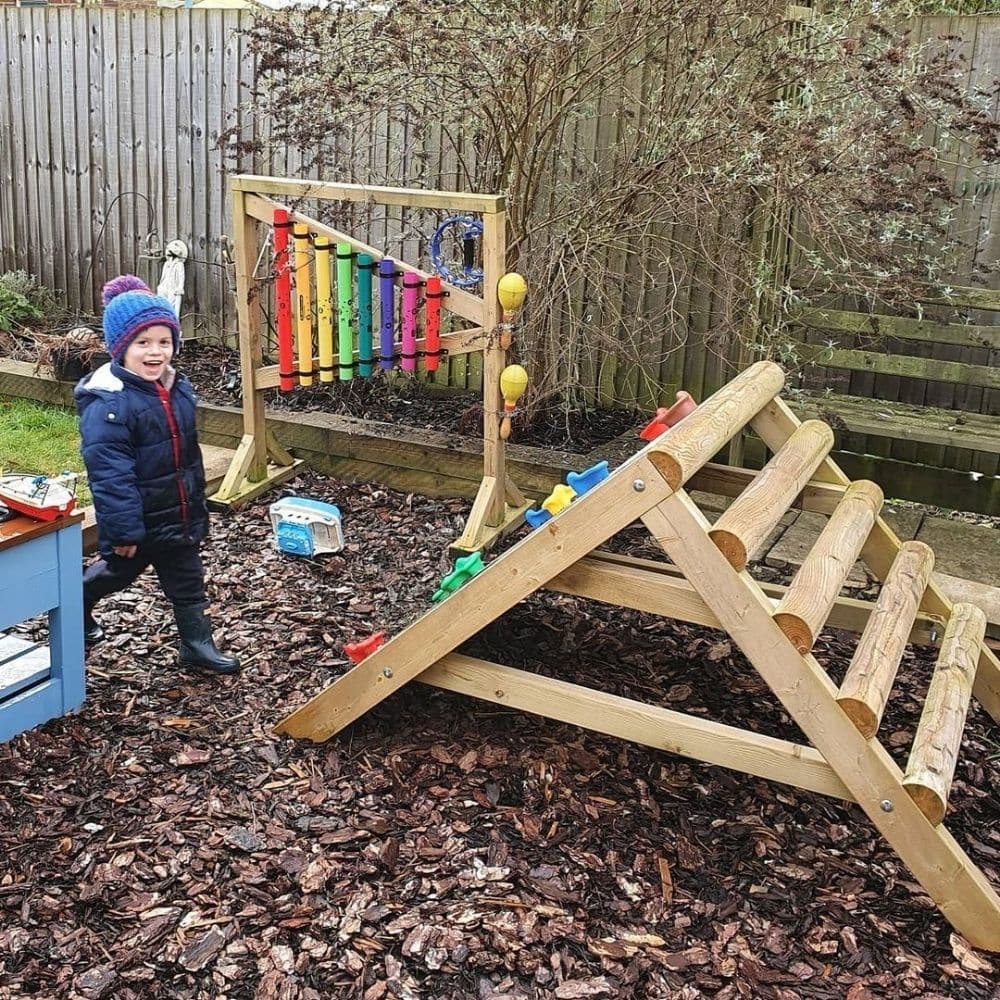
point(434, 463)
point(350, 443)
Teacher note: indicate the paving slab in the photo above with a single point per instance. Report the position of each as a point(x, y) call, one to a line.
point(905, 521)
point(970, 551)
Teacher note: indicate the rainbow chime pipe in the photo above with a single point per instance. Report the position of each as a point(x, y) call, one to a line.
point(348, 276)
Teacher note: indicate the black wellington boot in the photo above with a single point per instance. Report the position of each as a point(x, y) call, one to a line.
point(197, 647)
point(92, 632)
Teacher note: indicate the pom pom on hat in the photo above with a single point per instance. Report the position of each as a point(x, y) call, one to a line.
point(131, 307)
point(123, 283)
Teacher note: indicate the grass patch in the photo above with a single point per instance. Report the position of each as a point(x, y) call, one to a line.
point(41, 439)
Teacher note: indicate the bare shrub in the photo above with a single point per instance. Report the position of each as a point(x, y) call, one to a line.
point(666, 163)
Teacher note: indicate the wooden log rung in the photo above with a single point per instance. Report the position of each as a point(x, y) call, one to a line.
point(865, 691)
point(804, 610)
point(686, 447)
point(934, 754)
point(745, 526)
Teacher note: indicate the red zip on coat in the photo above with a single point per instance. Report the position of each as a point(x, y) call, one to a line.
point(175, 440)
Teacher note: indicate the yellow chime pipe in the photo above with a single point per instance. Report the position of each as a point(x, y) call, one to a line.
point(324, 308)
point(303, 300)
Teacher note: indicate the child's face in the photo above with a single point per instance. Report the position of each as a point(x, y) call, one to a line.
point(150, 353)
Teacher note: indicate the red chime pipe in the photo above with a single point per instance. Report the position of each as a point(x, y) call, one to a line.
point(283, 301)
point(432, 324)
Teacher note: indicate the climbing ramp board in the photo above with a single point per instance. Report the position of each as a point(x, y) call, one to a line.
point(775, 627)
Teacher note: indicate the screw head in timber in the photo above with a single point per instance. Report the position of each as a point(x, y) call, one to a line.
point(638, 485)
point(886, 805)
point(387, 672)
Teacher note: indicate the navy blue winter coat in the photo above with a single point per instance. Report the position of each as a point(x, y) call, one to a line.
point(141, 450)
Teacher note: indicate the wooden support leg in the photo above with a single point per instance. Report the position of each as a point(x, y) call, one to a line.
point(239, 485)
point(237, 471)
point(479, 534)
point(276, 450)
point(514, 497)
point(474, 526)
point(249, 473)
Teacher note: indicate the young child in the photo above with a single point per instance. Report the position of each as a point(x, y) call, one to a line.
point(140, 446)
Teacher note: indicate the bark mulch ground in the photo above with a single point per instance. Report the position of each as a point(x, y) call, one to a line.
point(163, 843)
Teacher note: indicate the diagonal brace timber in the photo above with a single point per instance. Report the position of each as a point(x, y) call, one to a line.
point(662, 728)
point(588, 522)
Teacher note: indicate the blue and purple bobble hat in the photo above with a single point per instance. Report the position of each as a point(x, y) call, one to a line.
point(131, 307)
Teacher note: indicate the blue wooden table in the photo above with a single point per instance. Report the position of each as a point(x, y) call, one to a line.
point(40, 572)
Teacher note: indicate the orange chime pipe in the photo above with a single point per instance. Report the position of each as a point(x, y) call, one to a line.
point(303, 299)
point(283, 301)
point(324, 307)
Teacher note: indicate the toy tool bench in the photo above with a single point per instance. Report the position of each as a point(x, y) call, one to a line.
point(39, 573)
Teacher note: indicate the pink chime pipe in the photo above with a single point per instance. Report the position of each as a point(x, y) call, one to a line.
point(411, 295)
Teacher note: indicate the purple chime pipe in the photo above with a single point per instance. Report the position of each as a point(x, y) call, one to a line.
point(387, 298)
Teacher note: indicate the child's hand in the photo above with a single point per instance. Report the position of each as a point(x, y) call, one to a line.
point(125, 551)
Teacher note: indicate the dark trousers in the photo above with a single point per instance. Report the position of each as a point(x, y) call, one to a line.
point(178, 567)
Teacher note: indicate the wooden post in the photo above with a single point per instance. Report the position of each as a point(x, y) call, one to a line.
point(499, 506)
point(931, 766)
point(806, 606)
point(743, 528)
point(251, 345)
point(248, 473)
point(494, 360)
point(865, 689)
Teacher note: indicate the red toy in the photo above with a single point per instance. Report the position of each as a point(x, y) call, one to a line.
point(357, 651)
point(667, 417)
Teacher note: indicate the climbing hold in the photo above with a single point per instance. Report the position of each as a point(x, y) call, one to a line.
point(465, 568)
point(357, 651)
point(559, 499)
point(666, 417)
point(536, 517)
point(588, 479)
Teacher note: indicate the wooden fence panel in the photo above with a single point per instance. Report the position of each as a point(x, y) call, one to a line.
point(107, 105)
point(109, 137)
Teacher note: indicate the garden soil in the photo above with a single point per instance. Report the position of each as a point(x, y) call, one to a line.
point(163, 842)
point(402, 399)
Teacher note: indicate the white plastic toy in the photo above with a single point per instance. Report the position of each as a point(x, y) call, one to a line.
point(304, 527)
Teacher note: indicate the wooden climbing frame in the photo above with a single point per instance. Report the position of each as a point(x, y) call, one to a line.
point(706, 582)
point(260, 461)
